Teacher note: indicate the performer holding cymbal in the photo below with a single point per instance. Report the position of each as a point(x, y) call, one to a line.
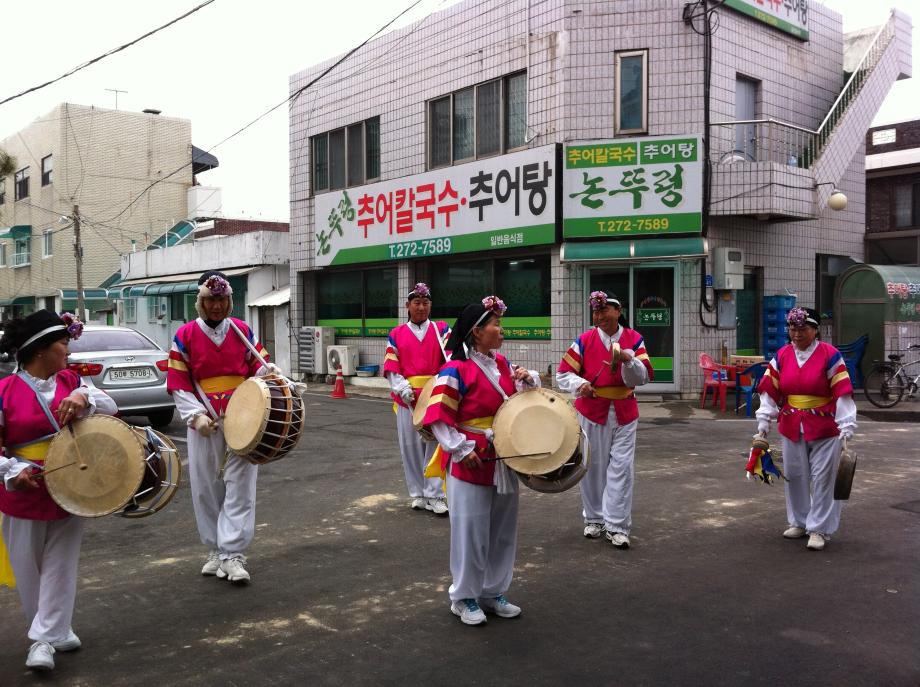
point(42, 539)
point(483, 493)
point(602, 367)
point(206, 363)
point(415, 353)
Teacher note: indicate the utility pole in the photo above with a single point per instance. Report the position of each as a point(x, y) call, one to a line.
point(78, 253)
point(116, 92)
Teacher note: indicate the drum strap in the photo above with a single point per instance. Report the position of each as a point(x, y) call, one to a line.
point(493, 382)
point(41, 401)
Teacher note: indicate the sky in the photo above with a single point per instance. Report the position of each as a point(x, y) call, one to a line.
point(230, 62)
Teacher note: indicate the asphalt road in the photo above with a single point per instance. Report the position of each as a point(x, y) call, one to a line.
point(349, 585)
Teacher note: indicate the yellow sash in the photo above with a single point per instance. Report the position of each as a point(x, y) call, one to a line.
point(214, 385)
point(807, 402)
point(416, 382)
point(35, 452)
point(434, 469)
point(614, 393)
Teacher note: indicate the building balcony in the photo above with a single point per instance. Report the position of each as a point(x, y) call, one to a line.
point(22, 259)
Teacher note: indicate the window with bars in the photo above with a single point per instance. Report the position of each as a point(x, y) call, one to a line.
point(483, 120)
point(130, 307)
point(349, 156)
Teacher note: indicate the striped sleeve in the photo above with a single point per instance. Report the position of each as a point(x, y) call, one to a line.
point(391, 356)
point(642, 355)
point(769, 383)
point(571, 361)
point(838, 377)
point(445, 397)
point(178, 377)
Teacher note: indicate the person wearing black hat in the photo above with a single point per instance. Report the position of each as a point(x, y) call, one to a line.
point(43, 540)
point(207, 361)
point(414, 354)
point(807, 386)
point(483, 493)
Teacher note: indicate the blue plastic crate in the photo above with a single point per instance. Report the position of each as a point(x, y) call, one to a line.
point(778, 302)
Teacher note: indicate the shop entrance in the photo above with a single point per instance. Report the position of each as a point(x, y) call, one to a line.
point(648, 296)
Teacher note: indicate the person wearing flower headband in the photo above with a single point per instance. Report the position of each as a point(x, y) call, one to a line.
point(414, 354)
point(483, 493)
point(808, 388)
point(602, 368)
point(42, 540)
point(206, 363)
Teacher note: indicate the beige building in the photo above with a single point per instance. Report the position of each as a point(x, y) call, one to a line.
point(128, 172)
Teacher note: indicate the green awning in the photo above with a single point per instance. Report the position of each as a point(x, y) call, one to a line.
point(20, 231)
point(166, 289)
point(71, 294)
point(637, 249)
point(20, 300)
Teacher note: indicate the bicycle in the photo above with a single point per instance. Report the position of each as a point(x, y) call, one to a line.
point(886, 383)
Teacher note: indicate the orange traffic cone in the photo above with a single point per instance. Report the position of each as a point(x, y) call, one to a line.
point(338, 391)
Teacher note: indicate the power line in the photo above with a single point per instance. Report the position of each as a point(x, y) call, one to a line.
point(106, 54)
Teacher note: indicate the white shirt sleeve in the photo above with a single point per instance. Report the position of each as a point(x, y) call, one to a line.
point(767, 412)
point(397, 382)
point(569, 382)
point(99, 402)
point(534, 383)
point(452, 441)
point(13, 470)
point(846, 413)
point(634, 372)
point(188, 406)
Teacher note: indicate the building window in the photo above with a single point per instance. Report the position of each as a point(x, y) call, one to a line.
point(47, 243)
point(906, 205)
point(22, 183)
point(349, 156)
point(827, 269)
point(358, 302)
point(153, 309)
point(2, 255)
point(47, 167)
point(519, 281)
point(2, 191)
point(130, 309)
point(480, 121)
point(631, 84)
point(22, 252)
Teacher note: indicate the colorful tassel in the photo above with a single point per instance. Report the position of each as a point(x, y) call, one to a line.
point(760, 465)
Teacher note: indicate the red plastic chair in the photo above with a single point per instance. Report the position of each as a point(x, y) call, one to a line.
point(712, 379)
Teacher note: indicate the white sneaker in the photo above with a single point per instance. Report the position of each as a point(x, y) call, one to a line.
point(212, 565)
point(41, 656)
point(794, 532)
point(232, 569)
point(468, 611)
point(418, 503)
point(816, 541)
point(70, 643)
point(594, 530)
point(500, 606)
point(436, 505)
point(618, 539)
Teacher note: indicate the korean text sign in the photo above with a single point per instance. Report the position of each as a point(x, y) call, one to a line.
point(500, 202)
point(632, 187)
point(790, 16)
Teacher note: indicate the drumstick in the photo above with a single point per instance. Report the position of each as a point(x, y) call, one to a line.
point(59, 467)
point(76, 448)
point(605, 363)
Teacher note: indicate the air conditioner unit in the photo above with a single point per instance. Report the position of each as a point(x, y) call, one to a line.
point(345, 357)
point(312, 343)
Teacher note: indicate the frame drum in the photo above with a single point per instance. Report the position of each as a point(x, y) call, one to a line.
point(112, 474)
point(421, 406)
point(536, 421)
point(163, 469)
point(264, 419)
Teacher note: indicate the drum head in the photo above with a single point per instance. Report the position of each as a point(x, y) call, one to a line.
point(845, 472)
point(536, 421)
point(421, 405)
point(247, 415)
point(114, 458)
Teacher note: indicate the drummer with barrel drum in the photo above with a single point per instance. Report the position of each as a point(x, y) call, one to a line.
point(210, 357)
point(41, 539)
point(602, 368)
point(414, 354)
point(482, 491)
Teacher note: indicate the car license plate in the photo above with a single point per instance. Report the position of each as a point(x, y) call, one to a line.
point(131, 373)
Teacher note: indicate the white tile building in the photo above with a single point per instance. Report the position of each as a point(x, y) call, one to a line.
point(561, 73)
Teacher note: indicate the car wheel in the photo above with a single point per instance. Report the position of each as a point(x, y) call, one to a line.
point(161, 418)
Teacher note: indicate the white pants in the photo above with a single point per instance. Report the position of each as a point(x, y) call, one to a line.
point(44, 555)
point(483, 539)
point(225, 508)
point(811, 468)
point(607, 489)
point(416, 452)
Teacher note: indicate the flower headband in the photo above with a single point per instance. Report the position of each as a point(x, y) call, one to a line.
point(799, 317)
point(218, 286)
point(598, 300)
point(69, 322)
point(495, 305)
point(421, 290)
